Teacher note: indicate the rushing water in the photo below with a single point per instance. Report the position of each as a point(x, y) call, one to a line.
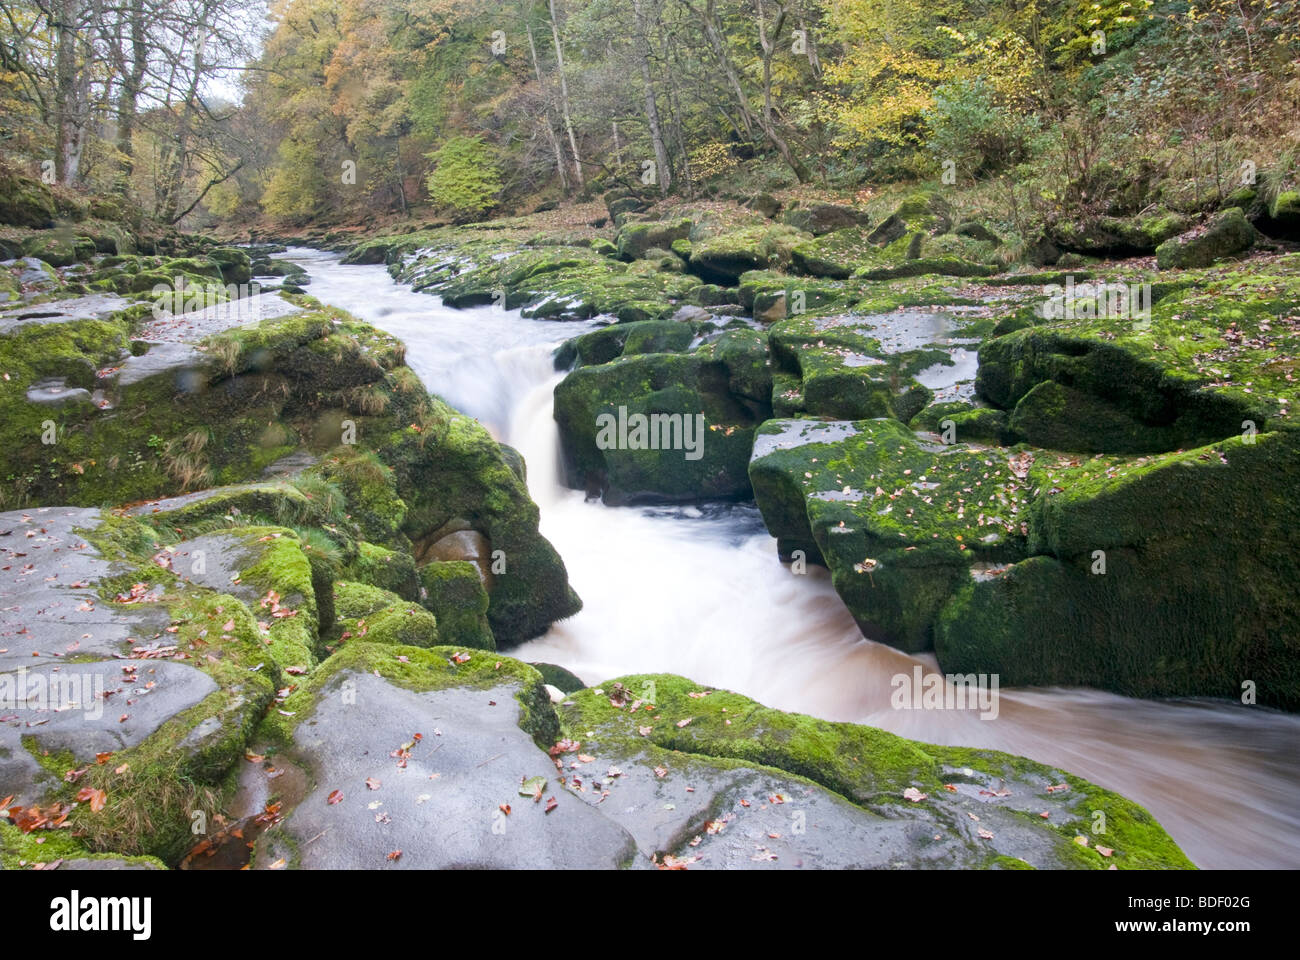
point(700, 592)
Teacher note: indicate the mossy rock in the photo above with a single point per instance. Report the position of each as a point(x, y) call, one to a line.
point(967, 423)
point(1062, 418)
point(454, 592)
point(1140, 588)
point(675, 398)
point(1226, 234)
point(24, 201)
point(681, 721)
point(634, 240)
point(821, 218)
point(899, 523)
point(721, 259)
point(370, 488)
point(387, 569)
point(372, 615)
point(562, 679)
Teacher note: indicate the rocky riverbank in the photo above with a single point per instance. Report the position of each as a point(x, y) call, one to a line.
point(263, 550)
point(1064, 476)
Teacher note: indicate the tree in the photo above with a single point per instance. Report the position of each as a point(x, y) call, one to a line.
point(464, 179)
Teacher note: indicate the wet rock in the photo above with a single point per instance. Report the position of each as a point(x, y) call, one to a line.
point(55, 392)
point(440, 809)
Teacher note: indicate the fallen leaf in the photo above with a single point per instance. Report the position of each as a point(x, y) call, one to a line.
point(96, 798)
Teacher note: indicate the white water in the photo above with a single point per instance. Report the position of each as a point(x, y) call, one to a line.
point(700, 592)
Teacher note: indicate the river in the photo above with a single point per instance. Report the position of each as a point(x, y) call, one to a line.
point(699, 591)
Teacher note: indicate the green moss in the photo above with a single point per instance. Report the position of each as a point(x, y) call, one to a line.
point(865, 765)
point(666, 385)
point(378, 616)
point(384, 568)
point(454, 592)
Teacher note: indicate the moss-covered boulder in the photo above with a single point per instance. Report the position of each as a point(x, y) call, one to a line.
point(820, 218)
point(1160, 576)
point(845, 373)
point(24, 200)
point(722, 258)
point(1107, 236)
point(648, 771)
point(387, 569)
point(1226, 234)
point(655, 427)
point(1205, 361)
point(974, 808)
point(454, 591)
point(958, 422)
point(379, 616)
point(635, 240)
point(899, 522)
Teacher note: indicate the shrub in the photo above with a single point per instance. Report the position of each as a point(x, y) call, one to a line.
point(465, 179)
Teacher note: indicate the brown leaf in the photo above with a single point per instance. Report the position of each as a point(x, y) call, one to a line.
point(97, 798)
point(335, 797)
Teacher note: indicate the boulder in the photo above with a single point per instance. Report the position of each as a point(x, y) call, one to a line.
point(820, 218)
point(1226, 234)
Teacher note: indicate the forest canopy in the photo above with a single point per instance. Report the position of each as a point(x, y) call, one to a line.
point(341, 108)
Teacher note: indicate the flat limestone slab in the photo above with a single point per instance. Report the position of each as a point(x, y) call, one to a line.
point(87, 708)
point(197, 324)
point(96, 306)
point(442, 810)
point(49, 608)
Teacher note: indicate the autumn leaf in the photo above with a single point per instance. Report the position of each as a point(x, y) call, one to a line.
point(103, 757)
point(395, 855)
point(96, 798)
point(373, 784)
point(913, 794)
point(335, 797)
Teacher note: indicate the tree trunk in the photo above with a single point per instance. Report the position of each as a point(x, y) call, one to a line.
point(642, 46)
point(564, 94)
point(550, 131)
point(130, 95)
point(68, 94)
